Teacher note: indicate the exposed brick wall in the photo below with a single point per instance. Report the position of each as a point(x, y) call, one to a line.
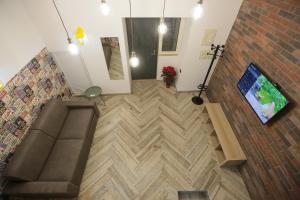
point(266, 32)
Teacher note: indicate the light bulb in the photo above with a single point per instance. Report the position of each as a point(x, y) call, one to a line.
point(1, 86)
point(198, 11)
point(134, 60)
point(73, 48)
point(105, 9)
point(162, 28)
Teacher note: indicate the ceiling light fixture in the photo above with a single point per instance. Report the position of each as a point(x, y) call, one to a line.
point(198, 10)
point(134, 60)
point(162, 28)
point(73, 48)
point(105, 9)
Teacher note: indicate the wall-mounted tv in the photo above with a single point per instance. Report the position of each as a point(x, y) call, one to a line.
point(264, 98)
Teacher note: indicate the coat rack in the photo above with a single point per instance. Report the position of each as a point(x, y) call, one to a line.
point(218, 52)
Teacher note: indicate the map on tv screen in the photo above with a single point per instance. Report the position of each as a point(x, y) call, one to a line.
point(265, 99)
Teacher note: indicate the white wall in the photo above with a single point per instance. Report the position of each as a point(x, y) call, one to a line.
point(77, 76)
point(175, 59)
point(219, 14)
point(86, 14)
point(20, 41)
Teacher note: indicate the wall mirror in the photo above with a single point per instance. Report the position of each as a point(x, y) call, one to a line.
point(112, 54)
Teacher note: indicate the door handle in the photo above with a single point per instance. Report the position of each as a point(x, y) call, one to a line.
point(154, 52)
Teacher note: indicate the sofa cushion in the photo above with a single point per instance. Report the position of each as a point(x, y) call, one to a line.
point(51, 118)
point(41, 189)
point(77, 123)
point(30, 157)
point(64, 161)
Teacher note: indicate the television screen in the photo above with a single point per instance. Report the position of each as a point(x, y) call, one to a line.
point(265, 99)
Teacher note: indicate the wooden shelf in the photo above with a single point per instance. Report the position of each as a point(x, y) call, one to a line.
point(214, 141)
point(213, 133)
point(220, 156)
point(223, 139)
point(218, 147)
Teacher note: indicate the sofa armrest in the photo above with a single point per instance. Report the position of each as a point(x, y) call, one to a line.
point(41, 189)
point(83, 104)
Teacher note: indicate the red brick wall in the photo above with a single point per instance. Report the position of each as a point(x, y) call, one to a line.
point(266, 32)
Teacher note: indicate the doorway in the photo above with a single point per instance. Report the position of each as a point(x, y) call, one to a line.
point(145, 45)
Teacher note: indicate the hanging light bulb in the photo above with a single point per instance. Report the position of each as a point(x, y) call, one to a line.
point(198, 10)
point(105, 9)
point(1, 86)
point(162, 28)
point(134, 60)
point(73, 48)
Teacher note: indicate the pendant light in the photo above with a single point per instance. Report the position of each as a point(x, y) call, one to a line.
point(73, 48)
point(105, 9)
point(162, 28)
point(1, 86)
point(198, 10)
point(134, 60)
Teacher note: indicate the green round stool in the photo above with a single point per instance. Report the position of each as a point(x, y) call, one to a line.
point(94, 92)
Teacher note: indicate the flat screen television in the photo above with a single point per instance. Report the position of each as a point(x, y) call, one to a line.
point(263, 96)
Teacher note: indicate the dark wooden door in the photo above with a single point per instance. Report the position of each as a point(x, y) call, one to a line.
point(145, 45)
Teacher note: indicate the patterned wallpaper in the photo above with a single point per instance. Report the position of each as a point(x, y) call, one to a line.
point(23, 97)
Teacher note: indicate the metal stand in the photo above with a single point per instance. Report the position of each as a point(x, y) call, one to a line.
point(219, 48)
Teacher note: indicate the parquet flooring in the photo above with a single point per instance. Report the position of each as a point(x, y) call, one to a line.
point(152, 144)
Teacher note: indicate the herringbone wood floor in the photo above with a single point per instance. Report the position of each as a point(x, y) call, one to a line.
point(151, 144)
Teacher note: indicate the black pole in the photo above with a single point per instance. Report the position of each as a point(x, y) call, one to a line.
point(197, 99)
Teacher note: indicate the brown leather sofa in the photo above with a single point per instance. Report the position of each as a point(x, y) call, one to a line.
point(50, 161)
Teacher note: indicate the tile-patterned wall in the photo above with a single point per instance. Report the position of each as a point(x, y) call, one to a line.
point(266, 32)
point(23, 97)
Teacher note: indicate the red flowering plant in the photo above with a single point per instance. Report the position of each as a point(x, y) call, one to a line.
point(168, 72)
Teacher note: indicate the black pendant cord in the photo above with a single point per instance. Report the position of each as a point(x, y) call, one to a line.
point(62, 21)
point(131, 25)
point(219, 48)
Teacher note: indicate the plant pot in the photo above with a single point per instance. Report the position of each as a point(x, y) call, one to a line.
point(168, 81)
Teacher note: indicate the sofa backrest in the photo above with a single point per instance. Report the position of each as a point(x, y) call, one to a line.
point(51, 118)
point(30, 157)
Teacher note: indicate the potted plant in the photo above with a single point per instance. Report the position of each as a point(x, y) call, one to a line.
point(169, 74)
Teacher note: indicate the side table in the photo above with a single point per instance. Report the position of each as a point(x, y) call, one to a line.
point(94, 92)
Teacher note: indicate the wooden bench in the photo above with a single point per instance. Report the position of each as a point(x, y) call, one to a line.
point(223, 139)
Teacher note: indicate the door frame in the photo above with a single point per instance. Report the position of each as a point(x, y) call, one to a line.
point(128, 33)
point(179, 40)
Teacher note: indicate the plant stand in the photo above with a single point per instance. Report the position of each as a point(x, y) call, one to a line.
point(168, 81)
